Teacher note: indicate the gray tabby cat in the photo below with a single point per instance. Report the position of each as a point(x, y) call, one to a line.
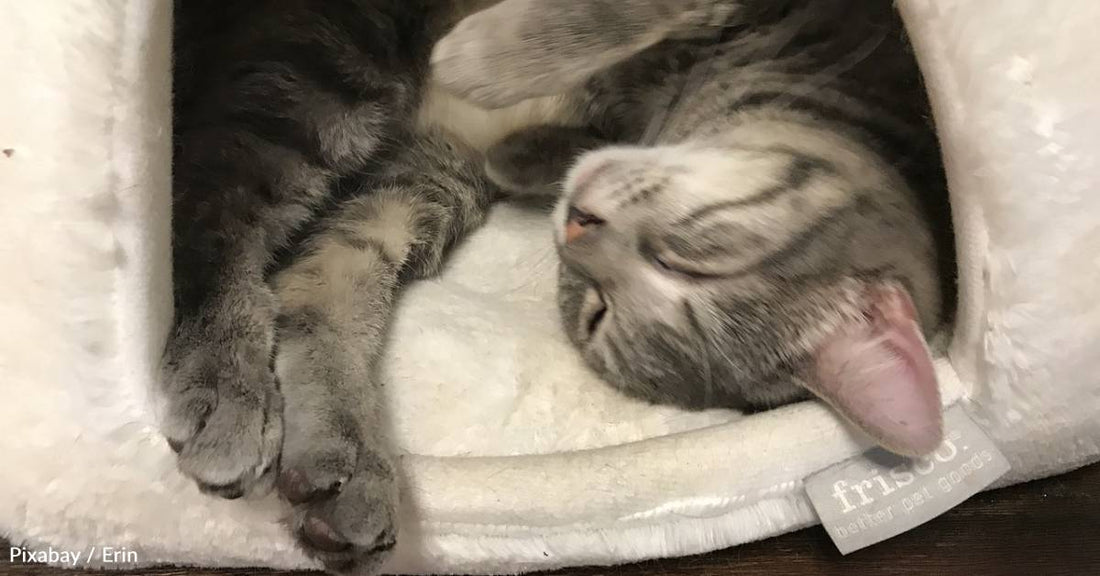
point(765, 230)
point(303, 196)
point(754, 234)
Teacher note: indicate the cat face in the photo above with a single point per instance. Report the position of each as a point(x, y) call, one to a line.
point(739, 277)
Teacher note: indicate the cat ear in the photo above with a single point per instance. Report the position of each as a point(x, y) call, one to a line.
point(879, 375)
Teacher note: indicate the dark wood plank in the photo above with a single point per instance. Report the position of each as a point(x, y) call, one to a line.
point(1048, 527)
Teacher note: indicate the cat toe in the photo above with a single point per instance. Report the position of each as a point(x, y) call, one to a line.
point(235, 448)
point(352, 530)
point(316, 475)
point(226, 429)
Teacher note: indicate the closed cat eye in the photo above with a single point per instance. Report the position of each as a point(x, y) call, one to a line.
point(673, 266)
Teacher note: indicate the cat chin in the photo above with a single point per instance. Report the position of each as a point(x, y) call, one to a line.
point(571, 290)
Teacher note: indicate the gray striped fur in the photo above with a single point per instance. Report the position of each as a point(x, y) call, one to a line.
point(760, 182)
point(763, 184)
point(295, 137)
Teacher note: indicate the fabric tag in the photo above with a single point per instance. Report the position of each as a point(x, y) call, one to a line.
point(878, 495)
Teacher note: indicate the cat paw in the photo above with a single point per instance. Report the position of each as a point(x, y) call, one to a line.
point(488, 60)
point(222, 411)
point(535, 160)
point(345, 506)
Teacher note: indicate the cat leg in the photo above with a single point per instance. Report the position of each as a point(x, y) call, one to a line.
point(219, 403)
point(260, 135)
point(336, 302)
point(522, 49)
point(534, 161)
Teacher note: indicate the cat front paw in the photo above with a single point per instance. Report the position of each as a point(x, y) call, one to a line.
point(222, 411)
point(534, 161)
point(486, 59)
point(344, 495)
point(345, 509)
point(335, 469)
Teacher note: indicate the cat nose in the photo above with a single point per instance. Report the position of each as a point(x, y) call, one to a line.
point(578, 222)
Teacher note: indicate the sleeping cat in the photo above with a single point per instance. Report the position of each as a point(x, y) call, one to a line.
point(764, 230)
point(746, 227)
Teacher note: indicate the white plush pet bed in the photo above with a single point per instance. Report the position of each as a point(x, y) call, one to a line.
point(517, 458)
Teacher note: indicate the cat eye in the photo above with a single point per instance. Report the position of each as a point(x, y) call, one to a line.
point(673, 266)
point(662, 263)
point(668, 263)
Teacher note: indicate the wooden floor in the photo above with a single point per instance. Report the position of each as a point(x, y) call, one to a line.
point(1045, 528)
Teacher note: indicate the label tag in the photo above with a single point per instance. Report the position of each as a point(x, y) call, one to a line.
point(878, 495)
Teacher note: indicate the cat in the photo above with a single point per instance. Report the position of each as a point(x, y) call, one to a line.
point(306, 192)
point(772, 222)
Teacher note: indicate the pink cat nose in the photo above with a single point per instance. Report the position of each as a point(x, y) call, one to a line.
point(578, 222)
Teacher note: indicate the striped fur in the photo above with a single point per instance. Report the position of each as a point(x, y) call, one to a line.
point(304, 194)
point(765, 174)
point(762, 187)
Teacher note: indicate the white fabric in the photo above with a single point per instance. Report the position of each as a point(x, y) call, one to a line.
point(518, 459)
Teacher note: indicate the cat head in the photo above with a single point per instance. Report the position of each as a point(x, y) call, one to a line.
point(750, 277)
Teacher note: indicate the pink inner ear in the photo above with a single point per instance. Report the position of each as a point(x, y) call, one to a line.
point(879, 375)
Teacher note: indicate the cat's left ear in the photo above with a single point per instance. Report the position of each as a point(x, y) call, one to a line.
point(879, 375)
